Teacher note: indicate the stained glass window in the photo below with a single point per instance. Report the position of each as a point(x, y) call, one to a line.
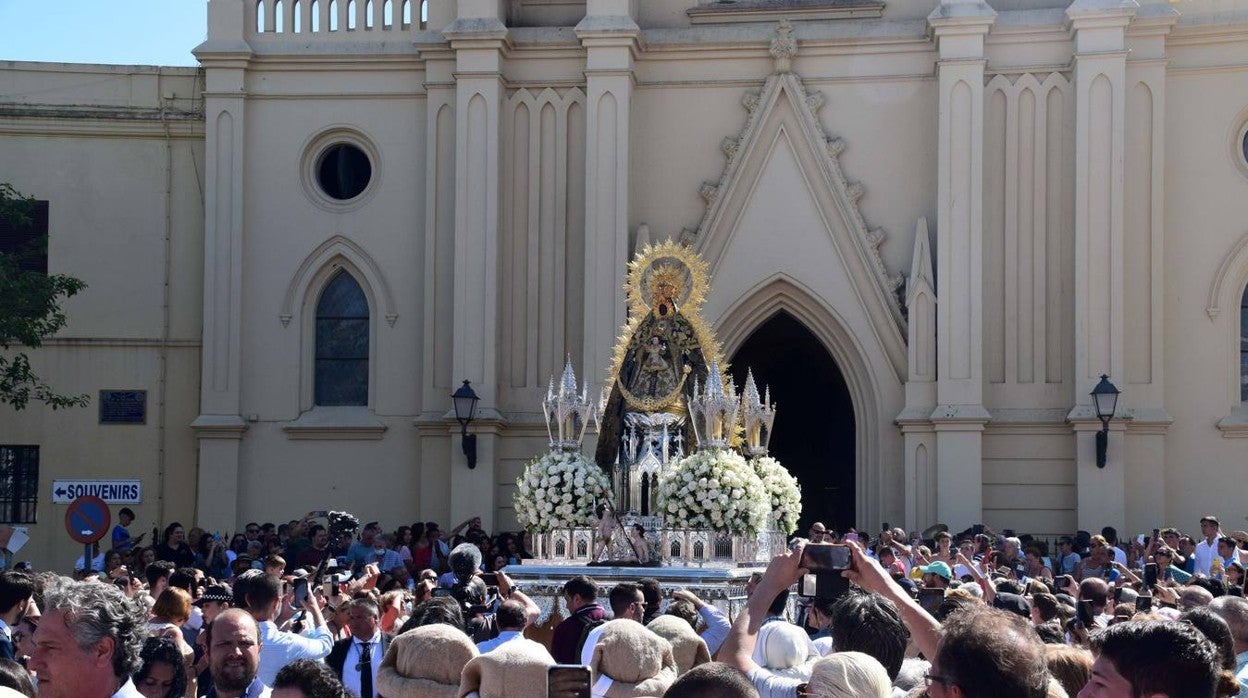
point(342, 343)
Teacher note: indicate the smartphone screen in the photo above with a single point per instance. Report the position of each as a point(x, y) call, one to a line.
point(1150, 575)
point(301, 592)
point(567, 681)
point(825, 557)
point(1086, 616)
point(1143, 603)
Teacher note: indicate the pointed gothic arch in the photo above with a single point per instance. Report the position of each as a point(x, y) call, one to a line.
point(369, 275)
point(783, 294)
point(332, 257)
point(783, 115)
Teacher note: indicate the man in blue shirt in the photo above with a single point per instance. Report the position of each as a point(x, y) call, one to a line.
point(121, 535)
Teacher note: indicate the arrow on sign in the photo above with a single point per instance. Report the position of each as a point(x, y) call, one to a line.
point(61, 492)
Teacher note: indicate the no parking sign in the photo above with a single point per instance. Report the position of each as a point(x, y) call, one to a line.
point(87, 520)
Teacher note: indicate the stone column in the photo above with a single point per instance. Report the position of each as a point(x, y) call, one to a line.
point(959, 27)
point(220, 426)
point(610, 35)
point(915, 421)
point(1143, 278)
point(1098, 28)
point(478, 36)
point(433, 425)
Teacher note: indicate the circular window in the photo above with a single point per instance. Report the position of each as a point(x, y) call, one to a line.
point(344, 172)
point(340, 169)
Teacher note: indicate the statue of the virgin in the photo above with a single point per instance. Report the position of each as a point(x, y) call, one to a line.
point(664, 349)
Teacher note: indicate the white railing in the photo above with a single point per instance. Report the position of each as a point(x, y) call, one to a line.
point(332, 17)
point(669, 546)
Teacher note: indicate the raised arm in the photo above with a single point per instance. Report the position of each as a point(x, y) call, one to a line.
point(867, 573)
point(738, 647)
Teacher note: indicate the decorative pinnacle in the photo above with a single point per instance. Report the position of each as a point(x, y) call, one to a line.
point(749, 395)
point(567, 385)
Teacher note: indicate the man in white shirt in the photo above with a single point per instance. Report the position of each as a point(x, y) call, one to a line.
point(512, 617)
point(97, 560)
point(1208, 546)
point(263, 597)
point(355, 659)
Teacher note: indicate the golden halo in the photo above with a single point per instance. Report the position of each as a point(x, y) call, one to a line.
point(667, 263)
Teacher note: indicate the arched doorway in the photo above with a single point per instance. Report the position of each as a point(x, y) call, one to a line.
point(814, 435)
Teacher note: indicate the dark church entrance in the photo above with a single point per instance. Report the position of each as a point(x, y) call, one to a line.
point(814, 431)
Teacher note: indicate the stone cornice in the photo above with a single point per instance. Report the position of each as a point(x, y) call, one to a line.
point(219, 426)
point(55, 125)
point(771, 11)
point(475, 28)
point(607, 27)
point(335, 423)
point(972, 417)
point(1234, 30)
point(973, 16)
point(1235, 424)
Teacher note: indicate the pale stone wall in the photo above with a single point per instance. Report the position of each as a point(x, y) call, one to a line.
point(126, 217)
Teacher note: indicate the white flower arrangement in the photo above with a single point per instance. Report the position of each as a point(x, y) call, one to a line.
point(714, 490)
point(559, 490)
point(783, 492)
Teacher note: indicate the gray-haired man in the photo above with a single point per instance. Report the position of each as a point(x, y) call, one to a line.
point(88, 641)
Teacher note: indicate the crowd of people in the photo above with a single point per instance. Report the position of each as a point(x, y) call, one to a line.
point(291, 611)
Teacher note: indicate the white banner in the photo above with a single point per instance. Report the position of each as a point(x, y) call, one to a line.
point(111, 491)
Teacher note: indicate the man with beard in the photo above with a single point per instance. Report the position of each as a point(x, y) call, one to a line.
point(234, 656)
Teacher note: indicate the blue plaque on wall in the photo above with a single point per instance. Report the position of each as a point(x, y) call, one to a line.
point(123, 407)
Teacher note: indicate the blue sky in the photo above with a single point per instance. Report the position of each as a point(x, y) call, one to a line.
point(143, 32)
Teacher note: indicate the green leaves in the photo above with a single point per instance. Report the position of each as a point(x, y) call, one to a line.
point(30, 307)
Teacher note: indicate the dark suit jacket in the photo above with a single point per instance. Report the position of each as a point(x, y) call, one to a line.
point(338, 655)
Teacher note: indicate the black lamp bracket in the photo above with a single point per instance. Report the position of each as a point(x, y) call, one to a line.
point(469, 443)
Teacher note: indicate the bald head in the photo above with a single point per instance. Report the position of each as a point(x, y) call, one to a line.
point(1194, 597)
point(233, 649)
point(1234, 610)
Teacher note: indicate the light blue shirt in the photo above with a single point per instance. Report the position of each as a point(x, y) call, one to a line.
point(504, 636)
point(717, 627)
point(278, 648)
point(386, 561)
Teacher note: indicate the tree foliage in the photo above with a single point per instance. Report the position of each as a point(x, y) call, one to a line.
point(30, 309)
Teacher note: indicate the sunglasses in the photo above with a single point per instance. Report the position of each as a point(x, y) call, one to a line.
point(944, 681)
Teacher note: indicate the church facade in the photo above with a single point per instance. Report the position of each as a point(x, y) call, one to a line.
point(938, 222)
